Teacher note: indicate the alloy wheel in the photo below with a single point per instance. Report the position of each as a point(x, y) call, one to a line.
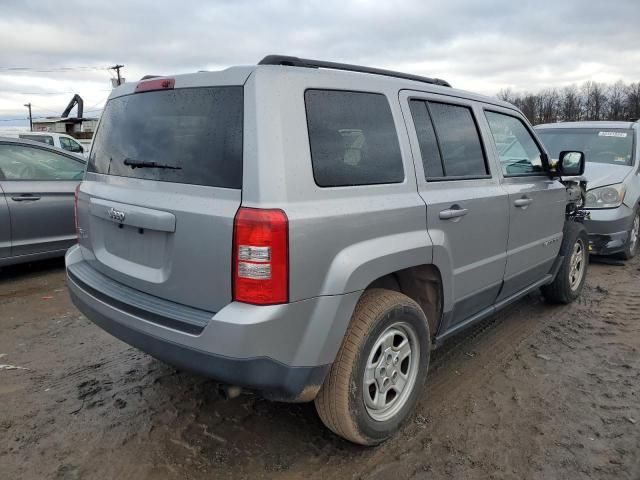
point(391, 371)
point(577, 264)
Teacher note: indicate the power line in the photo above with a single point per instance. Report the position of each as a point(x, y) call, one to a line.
point(41, 117)
point(99, 103)
point(54, 93)
point(51, 70)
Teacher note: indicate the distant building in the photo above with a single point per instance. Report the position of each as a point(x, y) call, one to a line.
point(81, 128)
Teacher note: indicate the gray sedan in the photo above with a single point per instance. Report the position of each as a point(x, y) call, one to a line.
point(37, 187)
point(611, 150)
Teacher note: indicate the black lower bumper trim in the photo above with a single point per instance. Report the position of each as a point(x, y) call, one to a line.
point(607, 244)
point(269, 377)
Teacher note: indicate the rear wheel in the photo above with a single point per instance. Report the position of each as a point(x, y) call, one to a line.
point(374, 383)
point(633, 243)
point(567, 285)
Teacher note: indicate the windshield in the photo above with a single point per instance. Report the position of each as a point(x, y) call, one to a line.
point(608, 145)
point(197, 131)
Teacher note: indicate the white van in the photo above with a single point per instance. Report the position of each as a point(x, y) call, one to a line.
point(60, 140)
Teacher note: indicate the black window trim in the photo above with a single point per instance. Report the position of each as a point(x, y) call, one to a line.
point(460, 103)
point(544, 157)
point(346, 90)
point(70, 157)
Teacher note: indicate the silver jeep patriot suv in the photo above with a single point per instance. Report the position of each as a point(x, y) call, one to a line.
point(311, 230)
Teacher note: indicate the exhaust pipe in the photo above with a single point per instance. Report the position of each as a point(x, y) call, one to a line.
point(229, 392)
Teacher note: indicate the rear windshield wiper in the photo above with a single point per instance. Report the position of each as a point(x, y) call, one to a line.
point(138, 164)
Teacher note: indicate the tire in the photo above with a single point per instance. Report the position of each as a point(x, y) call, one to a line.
point(383, 323)
point(567, 285)
point(633, 244)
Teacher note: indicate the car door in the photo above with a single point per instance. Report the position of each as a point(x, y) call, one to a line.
point(5, 226)
point(39, 186)
point(467, 208)
point(536, 201)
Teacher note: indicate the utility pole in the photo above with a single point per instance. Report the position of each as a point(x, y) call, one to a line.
point(28, 105)
point(117, 69)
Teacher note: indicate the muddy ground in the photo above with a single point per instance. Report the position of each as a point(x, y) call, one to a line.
point(536, 392)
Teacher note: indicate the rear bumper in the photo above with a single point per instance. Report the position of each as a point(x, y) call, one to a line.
point(282, 351)
point(609, 229)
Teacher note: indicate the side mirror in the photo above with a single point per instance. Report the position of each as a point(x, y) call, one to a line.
point(571, 163)
point(81, 149)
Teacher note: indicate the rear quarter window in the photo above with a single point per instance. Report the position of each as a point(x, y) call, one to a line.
point(353, 139)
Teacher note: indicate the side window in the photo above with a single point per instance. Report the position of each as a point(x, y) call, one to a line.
point(353, 139)
point(18, 162)
point(75, 146)
point(65, 143)
point(459, 140)
point(70, 145)
point(519, 154)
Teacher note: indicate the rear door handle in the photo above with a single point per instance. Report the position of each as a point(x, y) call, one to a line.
point(523, 202)
point(25, 198)
point(453, 213)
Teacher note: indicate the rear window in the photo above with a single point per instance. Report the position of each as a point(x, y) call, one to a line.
point(39, 138)
point(353, 139)
point(193, 135)
point(599, 145)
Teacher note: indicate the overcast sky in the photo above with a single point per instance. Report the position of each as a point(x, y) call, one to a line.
point(482, 46)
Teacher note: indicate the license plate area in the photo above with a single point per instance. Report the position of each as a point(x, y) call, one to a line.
point(135, 244)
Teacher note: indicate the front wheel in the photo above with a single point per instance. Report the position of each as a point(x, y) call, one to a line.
point(569, 281)
point(381, 367)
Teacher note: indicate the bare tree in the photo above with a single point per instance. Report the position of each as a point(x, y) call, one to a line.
point(632, 101)
point(591, 101)
point(548, 103)
point(570, 104)
point(615, 103)
point(529, 106)
point(506, 95)
point(595, 100)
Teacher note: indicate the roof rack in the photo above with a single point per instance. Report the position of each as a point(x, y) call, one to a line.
point(307, 63)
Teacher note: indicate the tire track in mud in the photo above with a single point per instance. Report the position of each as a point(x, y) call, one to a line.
point(458, 368)
point(464, 364)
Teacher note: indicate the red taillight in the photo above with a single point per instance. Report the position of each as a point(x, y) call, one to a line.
point(155, 84)
point(75, 210)
point(260, 256)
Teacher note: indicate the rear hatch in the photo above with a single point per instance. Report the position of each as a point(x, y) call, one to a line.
point(162, 188)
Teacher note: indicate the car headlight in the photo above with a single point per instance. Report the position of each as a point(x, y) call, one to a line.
point(605, 197)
